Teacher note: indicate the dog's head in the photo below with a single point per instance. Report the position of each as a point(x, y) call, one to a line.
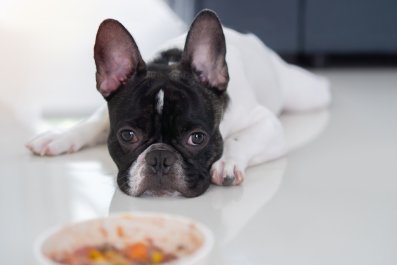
point(165, 115)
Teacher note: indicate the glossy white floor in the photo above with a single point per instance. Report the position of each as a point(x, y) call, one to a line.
point(333, 200)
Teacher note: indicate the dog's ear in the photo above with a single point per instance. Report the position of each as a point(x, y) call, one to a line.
point(205, 51)
point(116, 56)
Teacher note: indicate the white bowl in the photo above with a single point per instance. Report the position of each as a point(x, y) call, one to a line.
point(167, 232)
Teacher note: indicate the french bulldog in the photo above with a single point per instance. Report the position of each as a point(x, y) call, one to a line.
point(202, 110)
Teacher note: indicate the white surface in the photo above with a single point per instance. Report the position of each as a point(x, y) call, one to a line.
point(333, 200)
point(46, 52)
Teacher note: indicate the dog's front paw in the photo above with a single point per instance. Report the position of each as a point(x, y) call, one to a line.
point(226, 173)
point(53, 143)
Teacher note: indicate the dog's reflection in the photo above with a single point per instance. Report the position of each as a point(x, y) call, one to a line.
point(226, 210)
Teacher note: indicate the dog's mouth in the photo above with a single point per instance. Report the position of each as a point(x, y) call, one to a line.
point(152, 186)
point(144, 189)
point(141, 186)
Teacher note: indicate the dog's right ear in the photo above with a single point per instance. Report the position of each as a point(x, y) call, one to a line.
point(116, 55)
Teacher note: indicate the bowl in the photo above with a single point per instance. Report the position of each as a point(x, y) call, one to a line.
point(188, 240)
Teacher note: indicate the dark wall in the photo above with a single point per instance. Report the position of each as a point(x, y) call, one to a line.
point(276, 22)
point(309, 27)
point(350, 26)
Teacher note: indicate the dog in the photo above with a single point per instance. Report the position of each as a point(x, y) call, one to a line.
point(202, 110)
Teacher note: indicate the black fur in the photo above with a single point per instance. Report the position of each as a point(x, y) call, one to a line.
point(194, 84)
point(187, 106)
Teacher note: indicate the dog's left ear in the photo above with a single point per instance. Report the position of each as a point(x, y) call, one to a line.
point(116, 55)
point(205, 51)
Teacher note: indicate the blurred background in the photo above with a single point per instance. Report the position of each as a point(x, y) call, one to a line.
point(47, 67)
point(46, 50)
point(314, 33)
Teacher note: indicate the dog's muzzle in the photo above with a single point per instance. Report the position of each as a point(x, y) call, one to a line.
point(157, 170)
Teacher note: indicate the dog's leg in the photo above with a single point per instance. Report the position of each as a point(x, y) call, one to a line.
point(261, 142)
point(87, 133)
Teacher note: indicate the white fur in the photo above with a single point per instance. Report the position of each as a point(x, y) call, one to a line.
point(160, 101)
point(135, 177)
point(90, 132)
point(261, 86)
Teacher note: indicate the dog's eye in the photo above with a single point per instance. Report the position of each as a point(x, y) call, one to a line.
point(196, 138)
point(128, 136)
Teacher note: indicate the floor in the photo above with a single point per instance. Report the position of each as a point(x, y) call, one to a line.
point(332, 200)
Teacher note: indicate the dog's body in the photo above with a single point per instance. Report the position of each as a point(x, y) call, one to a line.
point(172, 125)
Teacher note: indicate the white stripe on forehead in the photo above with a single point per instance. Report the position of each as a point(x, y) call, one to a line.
point(160, 101)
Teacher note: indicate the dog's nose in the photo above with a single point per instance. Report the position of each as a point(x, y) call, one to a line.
point(160, 161)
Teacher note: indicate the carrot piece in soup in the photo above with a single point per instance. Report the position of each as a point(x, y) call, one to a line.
point(137, 251)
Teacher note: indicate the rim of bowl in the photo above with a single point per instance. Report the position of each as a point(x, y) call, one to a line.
point(205, 249)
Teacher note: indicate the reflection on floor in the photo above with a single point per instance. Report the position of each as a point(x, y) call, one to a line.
point(334, 196)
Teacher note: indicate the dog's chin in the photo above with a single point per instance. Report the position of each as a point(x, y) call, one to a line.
point(148, 192)
point(161, 193)
point(178, 190)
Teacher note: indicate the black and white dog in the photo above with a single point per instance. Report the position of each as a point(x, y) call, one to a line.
point(203, 110)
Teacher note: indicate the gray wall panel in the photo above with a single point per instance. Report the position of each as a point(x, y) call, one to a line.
point(350, 26)
point(274, 21)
